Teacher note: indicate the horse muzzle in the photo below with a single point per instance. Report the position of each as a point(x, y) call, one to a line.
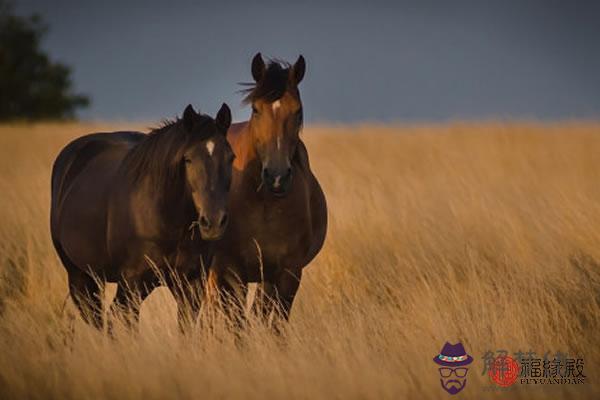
point(213, 228)
point(278, 182)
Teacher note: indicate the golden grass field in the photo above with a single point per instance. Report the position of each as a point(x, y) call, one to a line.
point(487, 233)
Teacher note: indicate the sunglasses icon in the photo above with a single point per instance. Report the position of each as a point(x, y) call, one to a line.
point(447, 372)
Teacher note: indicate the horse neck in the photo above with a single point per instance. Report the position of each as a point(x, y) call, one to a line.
point(177, 206)
point(241, 139)
point(173, 204)
point(161, 190)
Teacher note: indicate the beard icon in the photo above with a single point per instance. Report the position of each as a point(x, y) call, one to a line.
point(453, 386)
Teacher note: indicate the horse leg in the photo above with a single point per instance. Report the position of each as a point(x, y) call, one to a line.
point(188, 295)
point(87, 294)
point(286, 287)
point(128, 300)
point(233, 292)
point(230, 294)
point(264, 300)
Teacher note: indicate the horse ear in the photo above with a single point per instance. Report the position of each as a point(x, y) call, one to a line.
point(223, 119)
point(258, 67)
point(189, 117)
point(297, 71)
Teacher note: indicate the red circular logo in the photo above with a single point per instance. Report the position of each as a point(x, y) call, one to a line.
point(504, 371)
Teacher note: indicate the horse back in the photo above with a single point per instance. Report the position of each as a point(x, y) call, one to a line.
point(76, 155)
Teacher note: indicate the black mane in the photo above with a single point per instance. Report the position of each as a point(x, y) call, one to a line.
point(158, 154)
point(272, 85)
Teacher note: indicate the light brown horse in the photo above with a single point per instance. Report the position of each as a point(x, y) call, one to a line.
point(278, 210)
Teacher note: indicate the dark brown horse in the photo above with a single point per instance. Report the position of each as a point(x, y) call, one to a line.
point(278, 210)
point(125, 207)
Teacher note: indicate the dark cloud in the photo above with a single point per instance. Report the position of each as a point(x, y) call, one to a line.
point(365, 60)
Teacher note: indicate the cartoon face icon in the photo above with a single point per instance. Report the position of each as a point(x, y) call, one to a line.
point(453, 360)
point(453, 380)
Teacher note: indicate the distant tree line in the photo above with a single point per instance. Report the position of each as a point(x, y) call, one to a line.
point(32, 86)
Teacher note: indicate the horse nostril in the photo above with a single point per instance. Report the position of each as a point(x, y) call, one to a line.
point(288, 172)
point(204, 223)
point(224, 219)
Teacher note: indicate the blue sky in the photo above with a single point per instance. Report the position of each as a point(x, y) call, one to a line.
point(366, 60)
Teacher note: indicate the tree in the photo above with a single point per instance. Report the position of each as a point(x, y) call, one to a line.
point(32, 86)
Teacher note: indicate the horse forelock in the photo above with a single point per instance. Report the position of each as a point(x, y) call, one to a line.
point(273, 84)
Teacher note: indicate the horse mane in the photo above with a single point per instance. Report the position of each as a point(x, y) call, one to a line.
point(272, 86)
point(157, 153)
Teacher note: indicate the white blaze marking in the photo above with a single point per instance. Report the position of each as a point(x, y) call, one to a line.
point(210, 146)
point(276, 105)
point(278, 142)
point(276, 184)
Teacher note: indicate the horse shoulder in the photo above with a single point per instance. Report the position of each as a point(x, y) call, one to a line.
point(317, 204)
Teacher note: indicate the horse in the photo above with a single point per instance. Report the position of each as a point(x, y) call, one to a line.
point(278, 210)
point(125, 208)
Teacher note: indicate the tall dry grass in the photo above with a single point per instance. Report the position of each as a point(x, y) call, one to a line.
point(485, 233)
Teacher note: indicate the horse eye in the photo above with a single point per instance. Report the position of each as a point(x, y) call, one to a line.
point(187, 160)
point(254, 110)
